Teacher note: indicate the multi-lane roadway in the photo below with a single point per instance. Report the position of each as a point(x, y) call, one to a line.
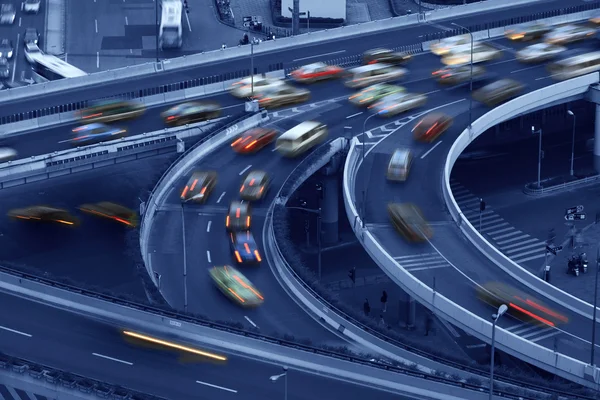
point(107, 34)
point(20, 70)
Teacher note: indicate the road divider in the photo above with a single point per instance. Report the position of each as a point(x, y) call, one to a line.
point(528, 351)
point(60, 163)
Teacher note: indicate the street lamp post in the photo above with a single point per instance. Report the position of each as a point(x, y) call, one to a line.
point(157, 24)
point(593, 361)
point(275, 378)
point(539, 175)
point(470, 77)
point(572, 140)
point(318, 213)
point(185, 294)
point(501, 310)
point(363, 151)
point(251, 69)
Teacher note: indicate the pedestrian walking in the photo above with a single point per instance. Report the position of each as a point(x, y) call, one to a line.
point(384, 300)
point(367, 307)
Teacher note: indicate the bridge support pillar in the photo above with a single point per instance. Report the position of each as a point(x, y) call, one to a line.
point(597, 140)
point(330, 210)
point(411, 313)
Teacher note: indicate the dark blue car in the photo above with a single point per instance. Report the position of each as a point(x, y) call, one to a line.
point(95, 133)
point(244, 248)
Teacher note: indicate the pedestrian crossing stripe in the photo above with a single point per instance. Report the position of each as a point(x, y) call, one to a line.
point(533, 333)
point(422, 262)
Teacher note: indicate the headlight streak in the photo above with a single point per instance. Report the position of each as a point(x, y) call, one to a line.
point(175, 346)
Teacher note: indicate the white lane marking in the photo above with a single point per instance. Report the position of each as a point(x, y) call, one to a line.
point(435, 91)
point(430, 150)
point(220, 197)
point(320, 55)
point(274, 149)
point(476, 346)
point(544, 77)
point(16, 56)
point(245, 169)
point(15, 331)
point(66, 57)
point(208, 226)
point(251, 322)
point(112, 359)
point(208, 256)
point(126, 20)
point(97, 59)
point(354, 115)
point(96, 23)
point(187, 17)
point(502, 62)
point(524, 69)
point(19, 21)
point(217, 387)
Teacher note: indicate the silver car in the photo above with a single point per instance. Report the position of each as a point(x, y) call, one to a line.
point(7, 14)
point(398, 103)
point(539, 52)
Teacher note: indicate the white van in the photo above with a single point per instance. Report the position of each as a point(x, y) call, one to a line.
point(300, 138)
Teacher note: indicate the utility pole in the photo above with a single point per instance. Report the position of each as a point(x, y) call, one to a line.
point(296, 18)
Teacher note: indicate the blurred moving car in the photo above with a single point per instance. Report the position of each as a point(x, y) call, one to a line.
point(374, 73)
point(399, 165)
point(447, 44)
point(595, 19)
point(189, 112)
point(462, 55)
point(456, 74)
point(316, 72)
point(95, 133)
point(244, 248)
point(8, 13)
point(281, 95)
point(7, 154)
point(397, 103)
point(238, 216)
point(44, 214)
point(199, 186)
point(409, 222)
point(4, 68)
point(112, 211)
point(572, 67)
point(236, 286)
point(568, 34)
point(255, 186)
point(31, 36)
point(112, 110)
point(539, 52)
point(498, 92)
point(301, 138)
point(253, 140)
point(31, 6)
point(520, 304)
point(386, 56)
point(243, 88)
point(525, 32)
point(430, 127)
point(374, 93)
point(6, 48)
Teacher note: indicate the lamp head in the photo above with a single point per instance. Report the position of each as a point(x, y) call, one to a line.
point(502, 309)
point(570, 113)
point(532, 128)
point(274, 378)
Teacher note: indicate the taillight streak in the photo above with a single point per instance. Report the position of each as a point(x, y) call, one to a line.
point(532, 315)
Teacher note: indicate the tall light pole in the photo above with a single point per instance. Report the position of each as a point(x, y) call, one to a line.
point(363, 149)
point(185, 294)
point(539, 178)
point(501, 310)
point(157, 24)
point(470, 77)
point(593, 361)
point(251, 69)
point(572, 140)
point(275, 378)
point(318, 213)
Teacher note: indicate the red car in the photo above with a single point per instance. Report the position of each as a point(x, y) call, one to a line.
point(253, 140)
point(316, 72)
point(431, 126)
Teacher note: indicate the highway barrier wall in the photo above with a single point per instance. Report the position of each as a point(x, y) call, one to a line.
point(231, 54)
point(185, 329)
point(182, 166)
point(554, 362)
point(48, 166)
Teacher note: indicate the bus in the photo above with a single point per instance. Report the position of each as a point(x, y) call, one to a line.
point(171, 33)
point(47, 67)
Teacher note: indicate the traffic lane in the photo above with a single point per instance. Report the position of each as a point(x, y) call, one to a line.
point(455, 275)
point(98, 245)
point(58, 137)
point(204, 32)
point(37, 21)
point(300, 54)
point(134, 364)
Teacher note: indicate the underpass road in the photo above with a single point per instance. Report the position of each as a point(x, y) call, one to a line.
point(424, 189)
point(89, 348)
point(296, 55)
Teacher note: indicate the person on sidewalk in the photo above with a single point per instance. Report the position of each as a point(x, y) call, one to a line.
point(367, 307)
point(384, 300)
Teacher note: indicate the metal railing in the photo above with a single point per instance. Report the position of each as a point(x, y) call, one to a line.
point(529, 189)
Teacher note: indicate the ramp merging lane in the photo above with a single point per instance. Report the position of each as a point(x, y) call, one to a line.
point(449, 263)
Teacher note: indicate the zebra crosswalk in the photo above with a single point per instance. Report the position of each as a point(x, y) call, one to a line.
point(533, 333)
point(421, 262)
point(515, 244)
